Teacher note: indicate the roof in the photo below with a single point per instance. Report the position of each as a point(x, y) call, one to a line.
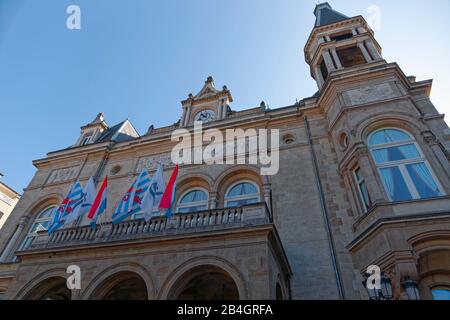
point(326, 15)
point(10, 189)
point(119, 133)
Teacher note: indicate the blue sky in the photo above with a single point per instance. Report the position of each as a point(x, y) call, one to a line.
point(138, 59)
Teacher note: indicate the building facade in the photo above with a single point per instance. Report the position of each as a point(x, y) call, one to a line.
point(8, 200)
point(364, 179)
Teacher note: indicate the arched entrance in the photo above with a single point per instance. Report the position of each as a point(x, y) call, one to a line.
point(50, 289)
point(122, 286)
point(205, 283)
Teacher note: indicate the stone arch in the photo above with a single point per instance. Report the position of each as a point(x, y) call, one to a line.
point(235, 174)
point(40, 284)
point(280, 288)
point(178, 276)
point(401, 121)
point(42, 203)
point(192, 180)
point(432, 249)
point(99, 284)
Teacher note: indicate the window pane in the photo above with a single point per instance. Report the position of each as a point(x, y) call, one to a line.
point(388, 135)
point(192, 209)
point(243, 202)
point(423, 180)
point(408, 151)
point(242, 189)
point(194, 196)
point(365, 195)
point(395, 184)
point(441, 294)
point(47, 213)
point(358, 174)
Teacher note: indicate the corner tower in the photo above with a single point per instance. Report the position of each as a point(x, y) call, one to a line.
point(338, 43)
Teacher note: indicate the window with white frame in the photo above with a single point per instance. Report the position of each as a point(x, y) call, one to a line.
point(362, 189)
point(41, 223)
point(403, 168)
point(192, 201)
point(242, 193)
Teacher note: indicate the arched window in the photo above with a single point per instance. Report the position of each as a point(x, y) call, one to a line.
point(440, 293)
point(41, 223)
point(241, 194)
point(192, 201)
point(404, 170)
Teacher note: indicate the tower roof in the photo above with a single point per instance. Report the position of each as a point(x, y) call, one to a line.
point(326, 15)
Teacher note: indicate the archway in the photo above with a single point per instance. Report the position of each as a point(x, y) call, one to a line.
point(122, 286)
point(205, 283)
point(50, 289)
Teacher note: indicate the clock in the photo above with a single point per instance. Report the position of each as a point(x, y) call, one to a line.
point(205, 116)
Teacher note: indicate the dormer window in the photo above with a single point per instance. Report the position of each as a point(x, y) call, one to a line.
point(86, 140)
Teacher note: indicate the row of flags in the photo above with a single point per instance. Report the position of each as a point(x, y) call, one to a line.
point(143, 196)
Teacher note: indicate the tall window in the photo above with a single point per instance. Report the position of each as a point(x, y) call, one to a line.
point(192, 201)
point(241, 194)
point(41, 223)
point(441, 293)
point(404, 170)
point(362, 189)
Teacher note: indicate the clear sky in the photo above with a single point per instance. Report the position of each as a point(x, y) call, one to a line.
point(138, 59)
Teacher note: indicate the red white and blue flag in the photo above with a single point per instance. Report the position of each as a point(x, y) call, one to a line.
point(169, 196)
point(71, 203)
point(132, 201)
point(99, 205)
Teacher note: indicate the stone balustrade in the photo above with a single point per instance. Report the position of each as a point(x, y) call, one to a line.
point(187, 223)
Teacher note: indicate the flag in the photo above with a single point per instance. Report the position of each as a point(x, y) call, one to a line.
point(154, 193)
point(87, 200)
point(99, 205)
point(169, 196)
point(72, 201)
point(132, 201)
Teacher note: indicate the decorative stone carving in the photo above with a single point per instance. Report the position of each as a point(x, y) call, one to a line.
point(370, 94)
point(62, 175)
point(151, 162)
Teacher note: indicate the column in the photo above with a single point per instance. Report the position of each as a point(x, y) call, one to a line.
point(186, 118)
point(12, 243)
point(328, 61)
point(267, 197)
point(183, 117)
point(319, 78)
point(220, 111)
point(336, 58)
point(375, 192)
point(373, 51)
point(364, 52)
point(213, 200)
point(224, 111)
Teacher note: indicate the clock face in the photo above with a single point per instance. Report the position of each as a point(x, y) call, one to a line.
point(205, 116)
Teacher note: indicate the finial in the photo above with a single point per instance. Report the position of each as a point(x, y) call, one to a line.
point(209, 80)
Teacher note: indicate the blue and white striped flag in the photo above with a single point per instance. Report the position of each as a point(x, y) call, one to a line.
point(132, 201)
point(70, 204)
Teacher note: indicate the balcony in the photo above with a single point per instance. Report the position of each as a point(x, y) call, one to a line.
point(137, 230)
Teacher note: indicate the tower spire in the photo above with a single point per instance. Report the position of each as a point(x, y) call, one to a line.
point(326, 15)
